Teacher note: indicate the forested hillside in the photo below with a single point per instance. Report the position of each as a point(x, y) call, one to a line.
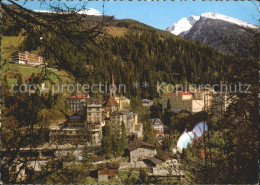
point(141, 54)
point(145, 57)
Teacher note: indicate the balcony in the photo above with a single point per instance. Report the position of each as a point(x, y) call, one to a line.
point(94, 128)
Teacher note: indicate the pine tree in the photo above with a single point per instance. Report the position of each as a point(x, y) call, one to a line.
point(107, 140)
point(167, 113)
point(123, 138)
point(149, 135)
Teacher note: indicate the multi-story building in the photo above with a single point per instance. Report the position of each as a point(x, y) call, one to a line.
point(118, 117)
point(123, 102)
point(157, 124)
point(71, 131)
point(133, 126)
point(76, 103)
point(26, 58)
point(130, 119)
point(93, 120)
point(59, 134)
point(82, 130)
point(192, 102)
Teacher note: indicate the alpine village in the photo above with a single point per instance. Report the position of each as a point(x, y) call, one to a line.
point(91, 99)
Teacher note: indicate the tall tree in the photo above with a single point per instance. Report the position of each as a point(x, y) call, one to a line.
point(107, 140)
point(167, 113)
point(123, 137)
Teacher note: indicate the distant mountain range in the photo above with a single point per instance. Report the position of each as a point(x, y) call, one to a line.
point(211, 28)
point(115, 27)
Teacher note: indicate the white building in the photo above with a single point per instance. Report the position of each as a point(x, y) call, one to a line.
point(157, 124)
point(192, 102)
point(26, 58)
point(147, 102)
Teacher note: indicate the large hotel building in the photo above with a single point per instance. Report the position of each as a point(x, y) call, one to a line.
point(192, 102)
point(26, 58)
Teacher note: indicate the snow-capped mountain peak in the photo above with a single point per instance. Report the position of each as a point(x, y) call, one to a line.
point(183, 25)
point(211, 15)
point(89, 11)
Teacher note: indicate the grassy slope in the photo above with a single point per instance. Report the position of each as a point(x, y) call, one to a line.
point(116, 31)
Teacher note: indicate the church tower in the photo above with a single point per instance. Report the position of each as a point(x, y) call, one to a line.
point(113, 87)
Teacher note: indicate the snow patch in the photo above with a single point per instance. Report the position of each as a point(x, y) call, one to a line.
point(211, 15)
point(183, 25)
point(89, 11)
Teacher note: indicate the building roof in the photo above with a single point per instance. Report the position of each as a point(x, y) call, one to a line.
point(79, 96)
point(117, 113)
point(156, 160)
point(133, 145)
point(159, 158)
point(147, 101)
point(75, 117)
point(189, 93)
point(176, 94)
point(111, 102)
point(156, 121)
point(131, 114)
point(97, 159)
point(27, 78)
point(162, 155)
point(108, 166)
point(158, 132)
point(105, 110)
point(123, 98)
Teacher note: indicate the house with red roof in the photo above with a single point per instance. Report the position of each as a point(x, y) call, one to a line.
point(108, 172)
point(160, 135)
point(111, 105)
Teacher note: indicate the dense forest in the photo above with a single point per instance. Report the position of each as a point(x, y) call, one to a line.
point(140, 57)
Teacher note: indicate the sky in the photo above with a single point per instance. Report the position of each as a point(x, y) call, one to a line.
point(161, 14)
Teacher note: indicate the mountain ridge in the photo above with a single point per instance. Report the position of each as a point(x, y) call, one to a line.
point(217, 30)
point(188, 22)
